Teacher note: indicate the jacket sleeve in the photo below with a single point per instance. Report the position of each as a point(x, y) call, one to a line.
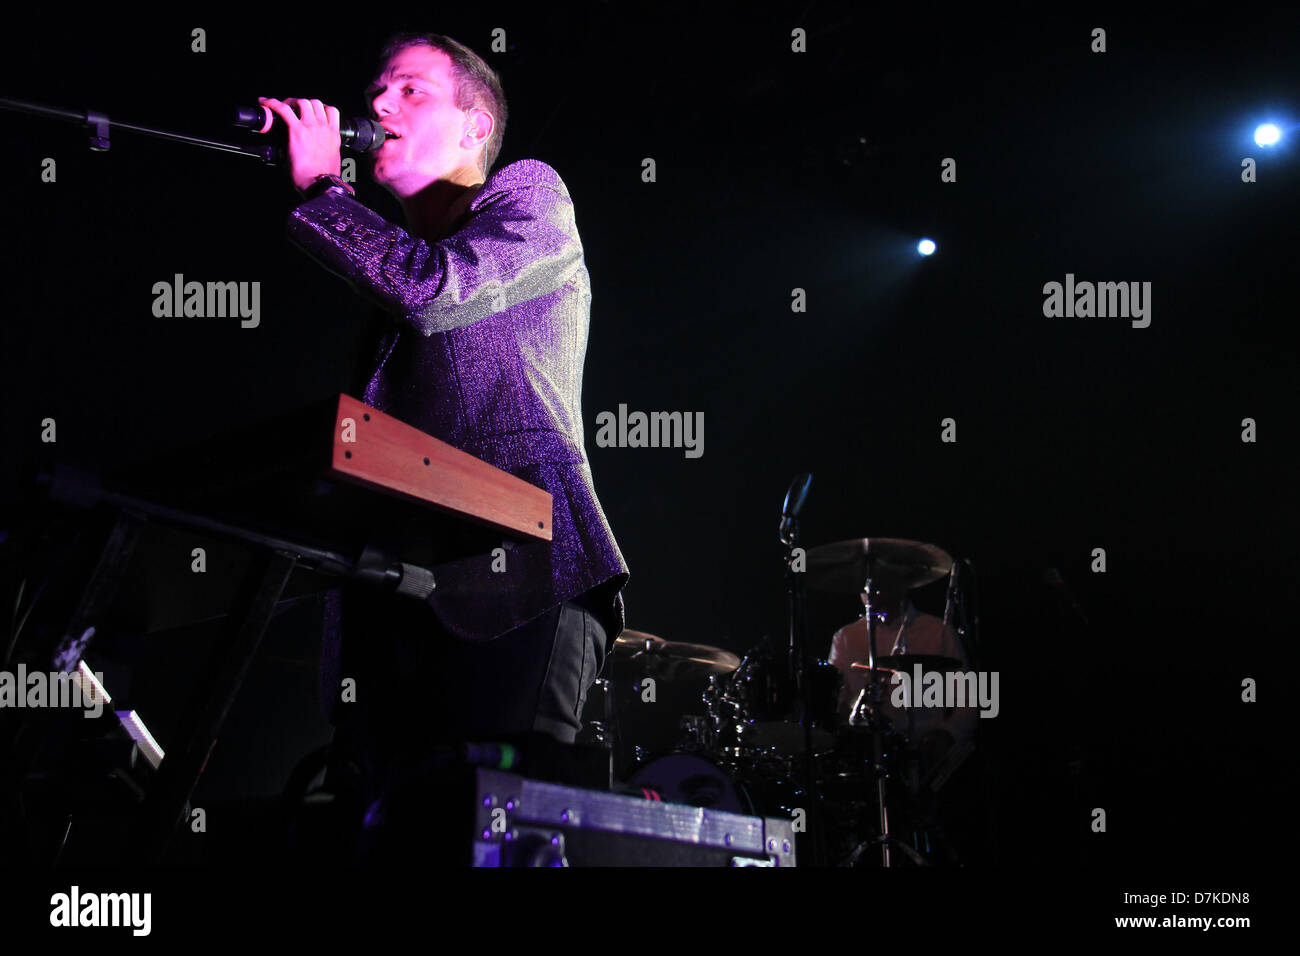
point(518, 245)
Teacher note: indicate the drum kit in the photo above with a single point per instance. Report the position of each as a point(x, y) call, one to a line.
point(765, 734)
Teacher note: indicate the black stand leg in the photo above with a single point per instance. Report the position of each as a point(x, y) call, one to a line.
point(99, 591)
point(184, 763)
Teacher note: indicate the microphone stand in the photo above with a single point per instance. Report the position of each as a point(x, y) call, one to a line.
point(797, 590)
point(98, 127)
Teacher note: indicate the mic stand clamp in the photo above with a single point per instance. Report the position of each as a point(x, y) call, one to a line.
point(97, 123)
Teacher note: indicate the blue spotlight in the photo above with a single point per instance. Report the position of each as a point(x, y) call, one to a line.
point(1267, 134)
point(925, 247)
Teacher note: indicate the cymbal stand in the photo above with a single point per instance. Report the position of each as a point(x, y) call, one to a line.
point(866, 712)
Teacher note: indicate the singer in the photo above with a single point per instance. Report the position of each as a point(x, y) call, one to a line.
point(480, 337)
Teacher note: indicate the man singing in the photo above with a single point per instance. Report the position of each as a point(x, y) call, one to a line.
point(485, 303)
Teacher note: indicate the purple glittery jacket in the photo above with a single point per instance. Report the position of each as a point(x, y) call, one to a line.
point(485, 351)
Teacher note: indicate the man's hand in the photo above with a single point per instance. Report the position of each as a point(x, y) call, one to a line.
point(314, 139)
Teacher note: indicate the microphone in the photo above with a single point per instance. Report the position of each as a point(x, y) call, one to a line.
point(359, 135)
point(797, 495)
point(794, 499)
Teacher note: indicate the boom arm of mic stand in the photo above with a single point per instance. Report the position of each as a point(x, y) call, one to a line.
point(99, 126)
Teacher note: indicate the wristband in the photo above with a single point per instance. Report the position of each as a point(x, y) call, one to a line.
point(327, 182)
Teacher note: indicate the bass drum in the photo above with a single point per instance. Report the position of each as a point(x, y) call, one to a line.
point(694, 781)
point(764, 788)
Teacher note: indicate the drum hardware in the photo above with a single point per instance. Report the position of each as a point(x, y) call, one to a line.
point(872, 719)
point(766, 734)
point(842, 566)
point(907, 663)
point(753, 708)
point(870, 567)
point(798, 663)
point(652, 656)
point(603, 732)
point(680, 672)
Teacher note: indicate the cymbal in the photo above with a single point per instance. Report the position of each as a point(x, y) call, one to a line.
point(907, 662)
point(843, 566)
point(672, 658)
point(636, 642)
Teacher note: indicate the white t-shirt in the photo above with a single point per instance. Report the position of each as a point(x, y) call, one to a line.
point(923, 634)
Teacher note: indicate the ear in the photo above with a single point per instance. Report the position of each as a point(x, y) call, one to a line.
point(479, 128)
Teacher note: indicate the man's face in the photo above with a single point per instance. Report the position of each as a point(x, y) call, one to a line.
point(414, 97)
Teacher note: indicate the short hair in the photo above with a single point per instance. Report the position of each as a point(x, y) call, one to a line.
point(477, 84)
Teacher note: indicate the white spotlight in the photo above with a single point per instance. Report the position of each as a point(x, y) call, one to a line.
point(925, 247)
point(1267, 135)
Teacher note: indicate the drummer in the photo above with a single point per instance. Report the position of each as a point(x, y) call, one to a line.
point(902, 629)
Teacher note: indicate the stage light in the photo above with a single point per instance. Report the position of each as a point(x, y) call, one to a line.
point(925, 247)
point(1267, 134)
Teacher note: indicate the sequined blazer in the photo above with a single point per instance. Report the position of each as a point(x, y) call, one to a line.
point(483, 347)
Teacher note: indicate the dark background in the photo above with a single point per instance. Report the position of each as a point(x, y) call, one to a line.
point(779, 170)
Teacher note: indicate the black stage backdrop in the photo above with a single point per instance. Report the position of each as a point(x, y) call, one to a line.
point(779, 170)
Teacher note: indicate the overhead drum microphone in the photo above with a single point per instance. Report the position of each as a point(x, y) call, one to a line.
point(359, 135)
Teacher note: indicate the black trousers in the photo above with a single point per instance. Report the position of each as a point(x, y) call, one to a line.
point(418, 690)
